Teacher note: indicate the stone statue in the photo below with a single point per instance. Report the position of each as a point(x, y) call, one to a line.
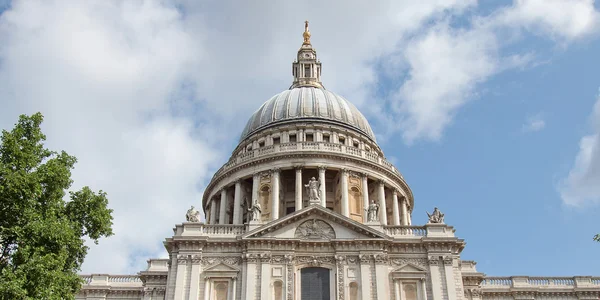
point(255, 212)
point(313, 190)
point(192, 215)
point(372, 211)
point(436, 216)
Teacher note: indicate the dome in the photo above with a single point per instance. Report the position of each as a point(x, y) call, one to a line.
point(307, 103)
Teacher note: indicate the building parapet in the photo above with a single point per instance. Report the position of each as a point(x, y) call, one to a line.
point(508, 283)
point(307, 147)
point(212, 230)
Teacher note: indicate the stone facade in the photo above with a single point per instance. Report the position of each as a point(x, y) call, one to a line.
point(274, 232)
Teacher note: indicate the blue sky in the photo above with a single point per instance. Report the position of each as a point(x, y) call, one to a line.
point(490, 109)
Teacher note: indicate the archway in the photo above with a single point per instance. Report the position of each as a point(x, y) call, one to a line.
point(315, 283)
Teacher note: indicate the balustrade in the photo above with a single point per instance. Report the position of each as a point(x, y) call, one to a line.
point(405, 231)
point(497, 281)
point(308, 146)
point(124, 278)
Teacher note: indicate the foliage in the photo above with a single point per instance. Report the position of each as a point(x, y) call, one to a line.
point(597, 237)
point(42, 232)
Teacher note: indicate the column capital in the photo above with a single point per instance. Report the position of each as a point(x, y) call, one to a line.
point(299, 168)
point(364, 175)
point(344, 171)
point(237, 180)
point(381, 182)
point(275, 170)
point(395, 192)
point(322, 168)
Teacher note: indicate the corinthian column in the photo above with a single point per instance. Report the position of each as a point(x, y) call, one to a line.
point(322, 185)
point(298, 188)
point(395, 209)
point(213, 211)
point(404, 211)
point(365, 194)
point(344, 190)
point(237, 198)
point(382, 208)
point(275, 194)
point(223, 206)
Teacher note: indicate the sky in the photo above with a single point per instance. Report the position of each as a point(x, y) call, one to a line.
point(490, 109)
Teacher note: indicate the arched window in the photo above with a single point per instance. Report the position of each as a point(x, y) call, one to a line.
point(277, 290)
point(356, 206)
point(265, 202)
point(221, 289)
point(410, 291)
point(353, 291)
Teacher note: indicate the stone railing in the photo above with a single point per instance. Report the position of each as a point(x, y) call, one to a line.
point(210, 230)
point(111, 280)
point(405, 231)
point(493, 283)
point(308, 146)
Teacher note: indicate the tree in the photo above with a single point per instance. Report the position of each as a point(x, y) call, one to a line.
point(42, 232)
point(597, 237)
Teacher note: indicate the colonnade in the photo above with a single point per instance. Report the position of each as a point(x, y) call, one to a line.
point(400, 205)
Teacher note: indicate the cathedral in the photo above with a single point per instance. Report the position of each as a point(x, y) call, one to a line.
point(308, 208)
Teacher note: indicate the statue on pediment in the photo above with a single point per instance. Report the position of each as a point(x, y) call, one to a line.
point(255, 211)
point(192, 215)
point(372, 211)
point(313, 190)
point(436, 217)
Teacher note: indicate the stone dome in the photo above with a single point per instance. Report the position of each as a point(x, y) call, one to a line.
point(307, 103)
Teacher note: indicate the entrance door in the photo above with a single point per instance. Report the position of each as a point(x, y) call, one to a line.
point(314, 284)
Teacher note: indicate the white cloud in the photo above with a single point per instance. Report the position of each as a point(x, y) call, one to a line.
point(582, 186)
point(151, 95)
point(534, 123)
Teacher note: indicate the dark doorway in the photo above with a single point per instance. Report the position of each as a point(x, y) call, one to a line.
point(315, 284)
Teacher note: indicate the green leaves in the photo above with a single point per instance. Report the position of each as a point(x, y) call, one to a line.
point(42, 242)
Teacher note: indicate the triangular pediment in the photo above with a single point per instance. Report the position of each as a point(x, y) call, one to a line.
point(410, 268)
point(315, 223)
point(221, 267)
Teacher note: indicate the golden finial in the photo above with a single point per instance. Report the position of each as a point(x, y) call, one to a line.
point(306, 34)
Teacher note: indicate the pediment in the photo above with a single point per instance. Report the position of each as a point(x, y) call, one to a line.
point(410, 268)
point(221, 267)
point(315, 223)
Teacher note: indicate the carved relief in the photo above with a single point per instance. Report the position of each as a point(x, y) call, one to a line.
point(196, 259)
point(289, 259)
point(365, 258)
point(265, 258)
point(315, 261)
point(380, 258)
point(181, 259)
point(340, 259)
point(448, 260)
point(251, 258)
point(225, 260)
point(434, 260)
point(315, 229)
point(413, 261)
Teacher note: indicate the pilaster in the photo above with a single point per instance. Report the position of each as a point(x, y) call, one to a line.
point(180, 277)
point(195, 278)
point(434, 271)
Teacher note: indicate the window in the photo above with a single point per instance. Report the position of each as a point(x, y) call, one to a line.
point(342, 140)
point(292, 138)
point(355, 144)
point(261, 144)
point(309, 137)
point(307, 71)
point(326, 138)
point(221, 289)
point(289, 210)
point(277, 290)
point(276, 140)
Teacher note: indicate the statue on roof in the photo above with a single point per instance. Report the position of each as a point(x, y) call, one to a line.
point(255, 212)
point(312, 187)
point(436, 217)
point(372, 211)
point(192, 215)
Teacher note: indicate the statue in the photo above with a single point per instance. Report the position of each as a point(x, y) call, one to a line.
point(313, 190)
point(372, 211)
point(436, 216)
point(192, 215)
point(255, 212)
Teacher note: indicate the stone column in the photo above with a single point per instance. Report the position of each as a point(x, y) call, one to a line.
point(382, 208)
point(365, 194)
point(251, 262)
point(265, 276)
point(206, 288)
point(404, 211)
point(365, 276)
point(344, 190)
point(381, 274)
point(223, 207)
point(237, 203)
point(449, 271)
point(395, 208)
point(180, 277)
point(436, 284)
point(255, 183)
point(275, 194)
point(213, 211)
point(322, 183)
point(298, 188)
point(195, 278)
